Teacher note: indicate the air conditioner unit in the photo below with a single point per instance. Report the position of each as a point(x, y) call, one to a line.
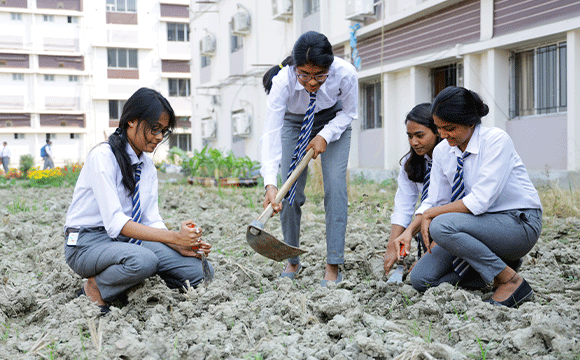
point(240, 23)
point(359, 9)
point(207, 45)
point(208, 129)
point(282, 10)
point(241, 124)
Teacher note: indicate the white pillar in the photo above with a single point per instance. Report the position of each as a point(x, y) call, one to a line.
point(389, 120)
point(495, 86)
point(573, 75)
point(486, 20)
point(420, 85)
point(472, 72)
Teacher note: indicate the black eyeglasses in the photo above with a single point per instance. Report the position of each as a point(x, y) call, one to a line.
point(306, 78)
point(159, 130)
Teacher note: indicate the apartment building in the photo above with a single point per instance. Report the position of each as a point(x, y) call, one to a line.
point(521, 56)
point(67, 67)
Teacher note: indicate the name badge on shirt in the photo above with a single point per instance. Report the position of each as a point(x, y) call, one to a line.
point(72, 239)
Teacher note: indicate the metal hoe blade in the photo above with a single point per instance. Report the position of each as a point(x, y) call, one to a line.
point(397, 275)
point(270, 247)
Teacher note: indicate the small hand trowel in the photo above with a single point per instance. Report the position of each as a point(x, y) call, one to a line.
point(397, 276)
point(207, 277)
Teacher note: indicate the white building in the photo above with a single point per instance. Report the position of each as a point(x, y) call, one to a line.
point(67, 66)
point(521, 56)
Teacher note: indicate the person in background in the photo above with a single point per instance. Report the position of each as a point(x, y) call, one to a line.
point(6, 154)
point(313, 98)
point(413, 182)
point(114, 234)
point(482, 211)
point(48, 160)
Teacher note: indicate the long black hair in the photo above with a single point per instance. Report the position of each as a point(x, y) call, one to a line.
point(311, 48)
point(459, 105)
point(144, 106)
point(415, 164)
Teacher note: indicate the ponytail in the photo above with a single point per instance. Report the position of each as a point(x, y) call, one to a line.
point(269, 75)
point(118, 143)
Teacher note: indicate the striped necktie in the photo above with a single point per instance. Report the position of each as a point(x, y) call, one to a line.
point(136, 214)
point(426, 180)
point(460, 266)
point(303, 139)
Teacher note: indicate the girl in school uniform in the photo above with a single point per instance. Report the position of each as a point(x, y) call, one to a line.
point(313, 98)
point(412, 183)
point(482, 210)
point(115, 236)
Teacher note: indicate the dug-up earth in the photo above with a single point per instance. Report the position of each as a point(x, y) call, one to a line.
point(248, 312)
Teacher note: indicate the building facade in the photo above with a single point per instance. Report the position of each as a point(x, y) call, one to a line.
point(67, 67)
point(521, 56)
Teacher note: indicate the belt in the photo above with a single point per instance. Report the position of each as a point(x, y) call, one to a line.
point(70, 230)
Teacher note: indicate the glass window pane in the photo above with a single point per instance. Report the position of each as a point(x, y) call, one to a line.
point(180, 32)
point(172, 87)
point(122, 58)
point(171, 32)
point(379, 120)
point(186, 32)
point(133, 58)
point(131, 5)
point(120, 5)
point(112, 57)
point(562, 72)
point(113, 110)
point(182, 87)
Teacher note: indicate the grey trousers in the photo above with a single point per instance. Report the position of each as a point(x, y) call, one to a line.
point(118, 265)
point(334, 162)
point(6, 164)
point(48, 164)
point(485, 241)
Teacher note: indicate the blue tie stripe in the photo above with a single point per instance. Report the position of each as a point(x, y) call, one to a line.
point(426, 180)
point(136, 213)
point(460, 266)
point(302, 143)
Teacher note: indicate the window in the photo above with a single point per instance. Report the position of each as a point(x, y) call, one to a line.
point(444, 76)
point(177, 32)
point(235, 43)
point(310, 7)
point(115, 109)
point(73, 78)
point(75, 136)
point(48, 77)
point(18, 77)
point(538, 83)
point(48, 18)
point(372, 100)
point(50, 136)
point(72, 19)
point(205, 61)
point(19, 136)
point(182, 141)
point(16, 16)
point(121, 6)
point(122, 58)
point(179, 87)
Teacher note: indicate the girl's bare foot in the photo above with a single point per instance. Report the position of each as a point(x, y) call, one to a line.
point(331, 272)
point(92, 292)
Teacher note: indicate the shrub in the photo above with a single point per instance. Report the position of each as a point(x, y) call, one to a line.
point(26, 163)
point(55, 177)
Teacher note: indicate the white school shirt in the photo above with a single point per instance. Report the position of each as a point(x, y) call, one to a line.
point(6, 152)
point(48, 150)
point(406, 197)
point(288, 95)
point(495, 177)
point(100, 199)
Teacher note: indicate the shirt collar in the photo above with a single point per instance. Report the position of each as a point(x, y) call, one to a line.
point(132, 155)
point(472, 145)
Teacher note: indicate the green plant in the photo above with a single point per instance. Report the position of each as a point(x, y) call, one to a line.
point(17, 206)
point(5, 335)
point(26, 163)
point(482, 350)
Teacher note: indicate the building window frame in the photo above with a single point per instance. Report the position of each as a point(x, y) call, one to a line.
point(178, 32)
point(538, 83)
point(444, 76)
point(182, 141)
point(205, 61)
point(48, 18)
point(310, 7)
point(179, 87)
point(49, 77)
point(236, 43)
point(372, 109)
point(16, 16)
point(72, 19)
point(122, 58)
point(73, 78)
point(129, 6)
point(116, 109)
point(17, 77)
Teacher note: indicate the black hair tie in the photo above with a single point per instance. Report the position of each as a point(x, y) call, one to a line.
point(118, 131)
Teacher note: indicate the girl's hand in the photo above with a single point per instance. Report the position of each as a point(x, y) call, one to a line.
point(318, 144)
point(425, 222)
point(393, 252)
point(193, 251)
point(390, 257)
point(189, 235)
point(270, 198)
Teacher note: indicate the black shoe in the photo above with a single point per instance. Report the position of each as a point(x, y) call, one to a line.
point(104, 308)
point(523, 292)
